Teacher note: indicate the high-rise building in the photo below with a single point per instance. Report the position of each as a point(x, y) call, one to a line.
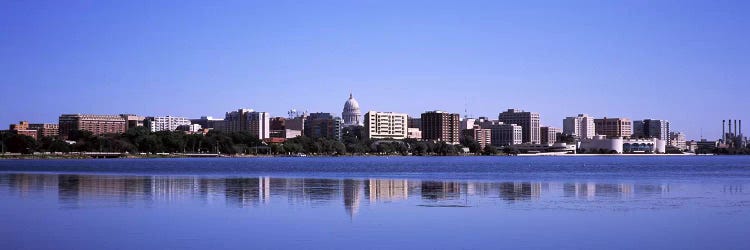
point(322, 125)
point(385, 125)
point(257, 123)
point(96, 124)
point(165, 123)
point(677, 140)
point(502, 134)
point(441, 126)
point(649, 128)
point(483, 136)
point(549, 135)
point(351, 114)
point(529, 121)
point(581, 126)
point(614, 127)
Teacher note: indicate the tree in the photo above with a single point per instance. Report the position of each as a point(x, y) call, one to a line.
point(24, 144)
point(490, 150)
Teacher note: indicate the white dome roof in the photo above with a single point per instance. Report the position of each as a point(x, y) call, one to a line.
point(351, 105)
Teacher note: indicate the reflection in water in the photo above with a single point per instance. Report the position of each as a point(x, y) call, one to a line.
point(74, 191)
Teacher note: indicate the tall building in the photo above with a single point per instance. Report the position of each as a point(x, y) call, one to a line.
point(649, 128)
point(549, 135)
point(322, 125)
point(441, 126)
point(96, 124)
point(581, 126)
point(483, 136)
point(351, 114)
point(677, 140)
point(257, 123)
point(502, 134)
point(385, 125)
point(165, 123)
point(614, 127)
point(529, 121)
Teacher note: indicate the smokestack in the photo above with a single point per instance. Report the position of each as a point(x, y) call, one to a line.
point(740, 130)
point(729, 128)
point(735, 128)
point(723, 131)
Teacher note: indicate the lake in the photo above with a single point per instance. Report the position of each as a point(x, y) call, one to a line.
point(607, 202)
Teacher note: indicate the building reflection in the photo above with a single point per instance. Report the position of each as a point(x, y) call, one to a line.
point(75, 191)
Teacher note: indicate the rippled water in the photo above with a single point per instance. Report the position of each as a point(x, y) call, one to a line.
point(377, 203)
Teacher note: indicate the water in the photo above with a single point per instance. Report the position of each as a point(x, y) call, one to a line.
point(377, 203)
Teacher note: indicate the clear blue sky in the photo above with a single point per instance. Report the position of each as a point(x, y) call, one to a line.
point(684, 61)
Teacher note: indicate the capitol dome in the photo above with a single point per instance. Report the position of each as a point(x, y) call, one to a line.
point(351, 112)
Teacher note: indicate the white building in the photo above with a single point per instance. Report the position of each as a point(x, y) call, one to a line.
point(677, 140)
point(602, 144)
point(165, 123)
point(351, 114)
point(257, 123)
point(385, 125)
point(581, 126)
point(414, 133)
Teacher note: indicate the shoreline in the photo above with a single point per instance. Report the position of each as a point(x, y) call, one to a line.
point(88, 157)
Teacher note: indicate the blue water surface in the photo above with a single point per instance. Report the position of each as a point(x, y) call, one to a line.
point(608, 202)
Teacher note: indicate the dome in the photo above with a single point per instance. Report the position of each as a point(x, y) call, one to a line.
point(351, 104)
point(351, 112)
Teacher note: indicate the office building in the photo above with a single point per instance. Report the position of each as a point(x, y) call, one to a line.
point(580, 127)
point(414, 122)
point(414, 133)
point(649, 128)
point(208, 122)
point(133, 120)
point(529, 122)
point(441, 126)
point(614, 127)
point(45, 129)
point(385, 125)
point(22, 128)
point(549, 135)
point(483, 136)
point(677, 140)
point(165, 123)
point(321, 125)
point(96, 124)
point(502, 135)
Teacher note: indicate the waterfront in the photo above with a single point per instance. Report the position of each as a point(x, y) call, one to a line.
point(377, 202)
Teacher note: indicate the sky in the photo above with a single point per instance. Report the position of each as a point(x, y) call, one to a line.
point(684, 61)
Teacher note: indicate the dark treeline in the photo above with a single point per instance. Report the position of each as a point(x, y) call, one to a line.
point(141, 140)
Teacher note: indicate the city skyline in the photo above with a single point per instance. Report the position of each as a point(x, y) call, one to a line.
point(639, 61)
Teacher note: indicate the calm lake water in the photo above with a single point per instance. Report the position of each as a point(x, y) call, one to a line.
point(377, 203)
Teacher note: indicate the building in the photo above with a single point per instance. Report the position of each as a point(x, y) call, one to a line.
point(248, 120)
point(677, 140)
point(385, 125)
point(441, 126)
point(483, 136)
point(502, 135)
point(467, 123)
point(22, 128)
point(549, 135)
point(529, 122)
point(414, 122)
point(608, 145)
point(133, 120)
point(351, 114)
point(414, 133)
point(580, 127)
point(165, 123)
point(45, 129)
point(189, 128)
point(649, 128)
point(322, 125)
point(208, 122)
point(96, 124)
point(614, 127)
